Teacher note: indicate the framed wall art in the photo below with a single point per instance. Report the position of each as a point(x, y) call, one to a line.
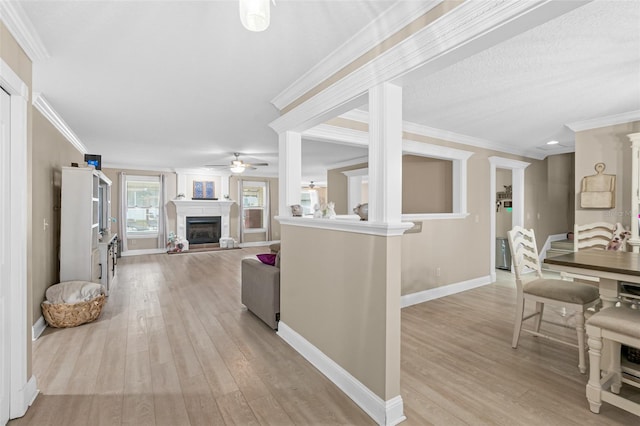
point(203, 190)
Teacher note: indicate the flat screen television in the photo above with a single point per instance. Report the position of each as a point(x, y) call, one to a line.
point(94, 160)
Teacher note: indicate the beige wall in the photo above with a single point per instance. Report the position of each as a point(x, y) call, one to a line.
point(234, 220)
point(431, 258)
point(611, 146)
point(345, 307)
point(337, 188)
point(51, 152)
point(427, 185)
point(13, 55)
point(171, 181)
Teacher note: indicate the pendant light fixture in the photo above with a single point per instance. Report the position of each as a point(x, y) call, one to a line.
point(255, 15)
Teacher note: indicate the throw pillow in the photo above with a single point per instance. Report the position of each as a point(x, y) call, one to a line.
point(267, 258)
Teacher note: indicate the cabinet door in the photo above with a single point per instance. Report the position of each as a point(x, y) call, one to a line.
point(96, 267)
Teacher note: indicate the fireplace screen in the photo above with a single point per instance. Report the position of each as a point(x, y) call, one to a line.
point(202, 230)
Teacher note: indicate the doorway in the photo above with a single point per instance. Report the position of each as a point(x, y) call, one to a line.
point(517, 200)
point(504, 210)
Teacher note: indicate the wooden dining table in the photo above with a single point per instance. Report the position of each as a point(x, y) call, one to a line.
point(610, 267)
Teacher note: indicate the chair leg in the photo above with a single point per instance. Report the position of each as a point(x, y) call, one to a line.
point(580, 330)
point(615, 367)
point(594, 388)
point(518, 323)
point(538, 320)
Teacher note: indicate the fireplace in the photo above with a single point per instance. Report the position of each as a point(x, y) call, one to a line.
point(196, 209)
point(203, 229)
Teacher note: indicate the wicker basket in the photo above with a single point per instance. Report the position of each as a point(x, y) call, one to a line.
point(62, 315)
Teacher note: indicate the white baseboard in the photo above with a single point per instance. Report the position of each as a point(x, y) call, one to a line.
point(22, 400)
point(258, 243)
point(38, 328)
point(386, 413)
point(447, 290)
point(141, 252)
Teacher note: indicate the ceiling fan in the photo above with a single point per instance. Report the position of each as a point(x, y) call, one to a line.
point(237, 165)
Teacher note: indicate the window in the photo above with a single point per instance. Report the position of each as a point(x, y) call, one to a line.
point(143, 206)
point(308, 201)
point(254, 206)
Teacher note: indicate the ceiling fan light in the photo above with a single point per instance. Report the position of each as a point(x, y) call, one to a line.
point(255, 15)
point(237, 168)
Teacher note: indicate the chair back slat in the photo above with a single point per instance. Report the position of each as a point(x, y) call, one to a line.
point(592, 235)
point(524, 252)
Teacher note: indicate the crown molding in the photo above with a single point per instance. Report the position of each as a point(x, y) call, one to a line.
point(21, 28)
point(609, 120)
point(445, 135)
point(54, 118)
point(341, 135)
point(471, 27)
point(390, 21)
point(348, 163)
point(131, 167)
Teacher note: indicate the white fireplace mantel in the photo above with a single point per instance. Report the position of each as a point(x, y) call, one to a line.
point(200, 208)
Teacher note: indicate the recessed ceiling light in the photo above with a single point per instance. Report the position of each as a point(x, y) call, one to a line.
point(553, 143)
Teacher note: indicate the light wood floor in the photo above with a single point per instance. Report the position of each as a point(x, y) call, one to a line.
point(174, 346)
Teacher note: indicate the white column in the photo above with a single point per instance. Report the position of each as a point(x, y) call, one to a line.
point(635, 196)
point(385, 153)
point(290, 171)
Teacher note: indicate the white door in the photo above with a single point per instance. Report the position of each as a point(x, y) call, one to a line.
point(4, 261)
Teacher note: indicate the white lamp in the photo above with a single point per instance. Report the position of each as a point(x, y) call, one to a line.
point(237, 166)
point(255, 14)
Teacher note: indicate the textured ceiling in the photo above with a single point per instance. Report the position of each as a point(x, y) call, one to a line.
point(580, 66)
point(169, 84)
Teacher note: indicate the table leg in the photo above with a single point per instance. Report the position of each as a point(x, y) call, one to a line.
point(608, 292)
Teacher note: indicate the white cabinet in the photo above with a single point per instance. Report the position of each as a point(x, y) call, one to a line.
point(635, 191)
point(86, 195)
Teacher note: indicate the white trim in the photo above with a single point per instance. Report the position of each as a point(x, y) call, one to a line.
point(143, 251)
point(384, 26)
point(468, 28)
point(142, 235)
point(38, 328)
point(256, 230)
point(609, 120)
point(257, 243)
point(348, 225)
point(433, 216)
point(356, 172)
point(434, 151)
point(447, 290)
point(21, 28)
point(54, 118)
point(24, 397)
point(17, 290)
point(382, 412)
point(517, 215)
point(329, 133)
point(337, 134)
point(348, 163)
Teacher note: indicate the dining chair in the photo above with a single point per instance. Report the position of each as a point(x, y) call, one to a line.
point(573, 296)
point(614, 326)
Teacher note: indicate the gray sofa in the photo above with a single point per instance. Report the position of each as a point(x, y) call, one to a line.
point(261, 290)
